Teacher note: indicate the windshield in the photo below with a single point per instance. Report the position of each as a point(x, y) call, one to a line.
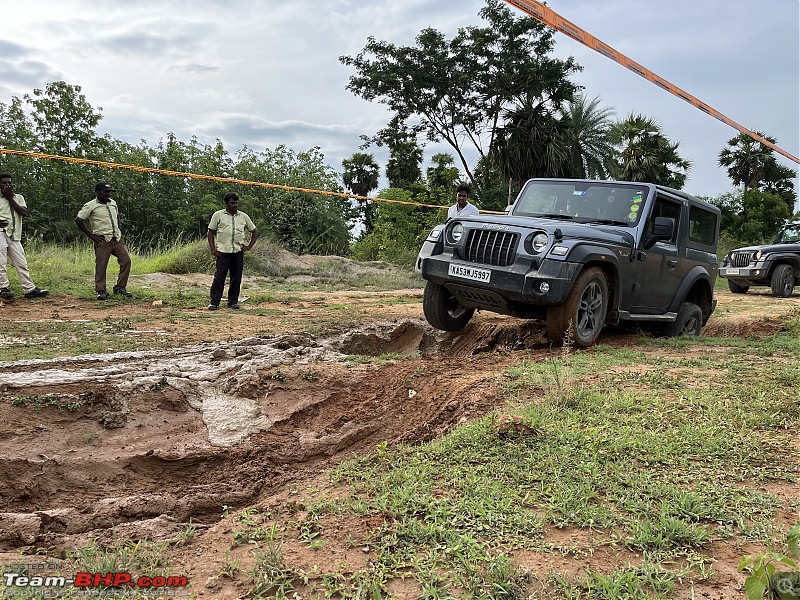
point(788, 235)
point(582, 201)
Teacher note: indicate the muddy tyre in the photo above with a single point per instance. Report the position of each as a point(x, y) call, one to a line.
point(689, 322)
point(736, 288)
point(580, 318)
point(782, 281)
point(442, 310)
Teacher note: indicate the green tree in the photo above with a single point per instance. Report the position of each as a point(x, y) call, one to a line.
point(457, 90)
point(360, 176)
point(753, 165)
point(442, 173)
point(17, 133)
point(399, 230)
point(531, 143)
point(305, 223)
point(404, 167)
point(762, 214)
point(65, 124)
point(587, 137)
point(750, 216)
point(645, 153)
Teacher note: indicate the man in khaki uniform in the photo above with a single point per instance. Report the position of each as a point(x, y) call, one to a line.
point(102, 216)
point(12, 209)
point(228, 233)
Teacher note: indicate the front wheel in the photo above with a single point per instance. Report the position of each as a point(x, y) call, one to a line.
point(580, 318)
point(442, 310)
point(736, 288)
point(689, 321)
point(782, 281)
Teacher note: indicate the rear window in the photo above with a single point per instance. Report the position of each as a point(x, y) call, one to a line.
point(702, 226)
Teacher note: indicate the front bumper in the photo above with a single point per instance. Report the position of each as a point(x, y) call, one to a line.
point(754, 273)
point(518, 283)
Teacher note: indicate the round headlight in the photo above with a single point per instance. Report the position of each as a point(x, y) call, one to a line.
point(539, 242)
point(456, 232)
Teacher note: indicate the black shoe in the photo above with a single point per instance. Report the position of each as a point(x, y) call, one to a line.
point(234, 306)
point(122, 292)
point(102, 295)
point(36, 293)
point(6, 293)
point(213, 306)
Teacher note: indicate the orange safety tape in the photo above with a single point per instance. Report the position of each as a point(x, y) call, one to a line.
point(552, 19)
point(101, 163)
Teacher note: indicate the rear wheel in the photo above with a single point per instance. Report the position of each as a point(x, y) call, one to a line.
point(689, 322)
point(580, 318)
point(442, 310)
point(782, 281)
point(736, 288)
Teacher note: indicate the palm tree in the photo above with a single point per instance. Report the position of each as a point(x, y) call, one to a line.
point(360, 176)
point(645, 153)
point(531, 143)
point(403, 169)
point(752, 164)
point(746, 159)
point(587, 137)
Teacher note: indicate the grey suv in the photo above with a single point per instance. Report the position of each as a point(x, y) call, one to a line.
point(776, 265)
point(578, 254)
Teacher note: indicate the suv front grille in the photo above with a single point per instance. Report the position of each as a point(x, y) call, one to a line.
point(741, 259)
point(498, 248)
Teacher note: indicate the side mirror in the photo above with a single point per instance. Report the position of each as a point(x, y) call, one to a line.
point(508, 208)
point(663, 228)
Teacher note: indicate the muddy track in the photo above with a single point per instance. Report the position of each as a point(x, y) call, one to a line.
point(130, 445)
point(142, 442)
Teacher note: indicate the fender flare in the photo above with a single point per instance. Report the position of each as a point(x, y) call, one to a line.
point(697, 273)
point(586, 254)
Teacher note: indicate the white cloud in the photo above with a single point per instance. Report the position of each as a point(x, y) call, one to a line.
point(262, 73)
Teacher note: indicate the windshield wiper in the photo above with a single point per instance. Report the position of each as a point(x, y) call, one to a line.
point(554, 216)
point(609, 222)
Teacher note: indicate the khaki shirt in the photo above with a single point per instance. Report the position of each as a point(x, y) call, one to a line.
point(103, 219)
point(14, 228)
point(232, 232)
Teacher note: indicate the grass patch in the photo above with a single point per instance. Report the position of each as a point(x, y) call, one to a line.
point(268, 269)
point(657, 454)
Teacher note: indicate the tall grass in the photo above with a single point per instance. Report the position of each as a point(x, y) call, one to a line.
point(69, 268)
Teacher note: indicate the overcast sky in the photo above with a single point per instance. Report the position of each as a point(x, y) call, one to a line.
point(264, 72)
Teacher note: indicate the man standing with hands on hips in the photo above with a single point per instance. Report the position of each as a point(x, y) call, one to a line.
point(102, 215)
point(228, 239)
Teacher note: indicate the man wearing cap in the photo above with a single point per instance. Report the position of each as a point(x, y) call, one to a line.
point(102, 216)
point(230, 234)
point(12, 210)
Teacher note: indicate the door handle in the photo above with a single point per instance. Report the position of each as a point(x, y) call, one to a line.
point(672, 263)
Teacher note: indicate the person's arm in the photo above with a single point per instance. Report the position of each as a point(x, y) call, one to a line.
point(212, 242)
point(81, 223)
point(253, 238)
point(20, 210)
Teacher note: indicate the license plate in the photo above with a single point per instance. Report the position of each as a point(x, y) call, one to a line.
point(731, 271)
point(465, 272)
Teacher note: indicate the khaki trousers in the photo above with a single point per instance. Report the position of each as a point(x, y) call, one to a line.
point(103, 251)
point(12, 251)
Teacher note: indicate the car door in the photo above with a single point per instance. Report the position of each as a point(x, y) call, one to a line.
point(662, 266)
